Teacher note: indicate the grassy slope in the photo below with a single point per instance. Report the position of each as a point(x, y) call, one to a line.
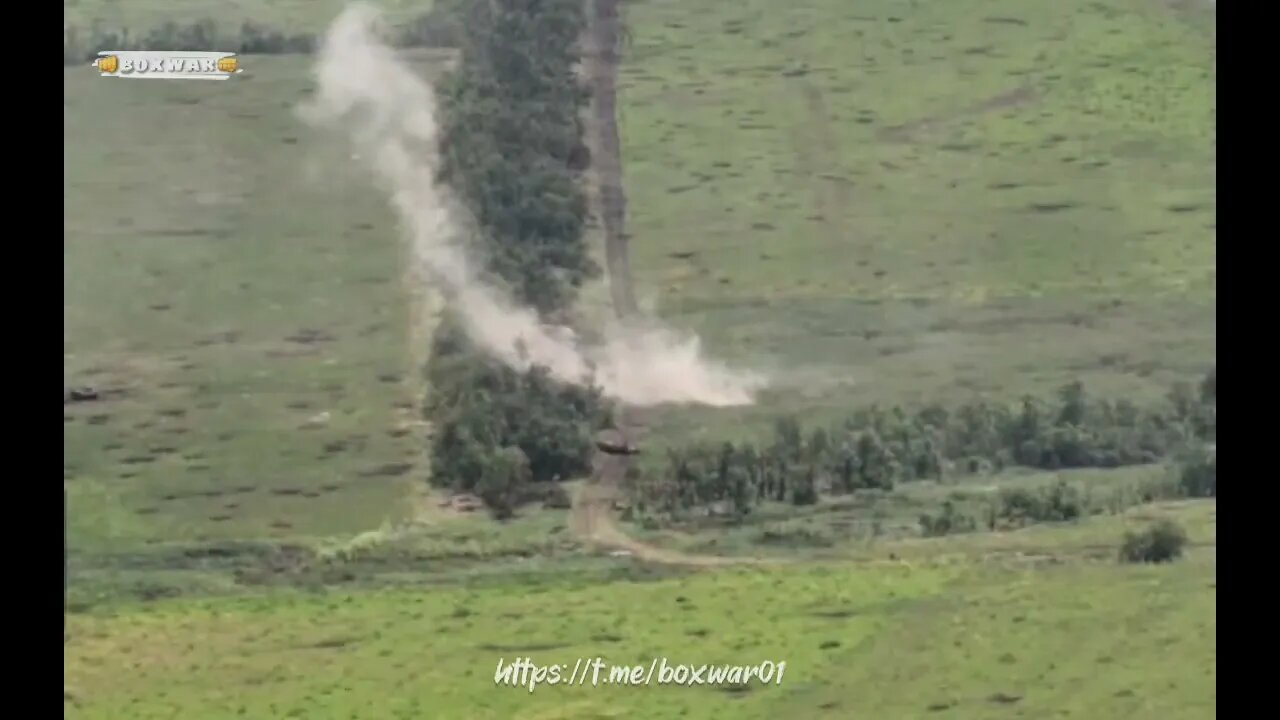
point(201, 213)
point(909, 202)
point(227, 279)
point(869, 292)
point(997, 639)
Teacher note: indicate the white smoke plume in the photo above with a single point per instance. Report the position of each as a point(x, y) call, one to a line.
point(389, 113)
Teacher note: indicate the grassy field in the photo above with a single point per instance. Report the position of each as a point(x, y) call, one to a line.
point(1020, 637)
point(894, 202)
point(236, 294)
point(902, 203)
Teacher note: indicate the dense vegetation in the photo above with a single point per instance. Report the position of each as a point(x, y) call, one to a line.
point(512, 147)
point(1163, 541)
point(876, 448)
point(496, 429)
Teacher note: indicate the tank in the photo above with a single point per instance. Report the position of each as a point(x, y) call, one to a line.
point(613, 442)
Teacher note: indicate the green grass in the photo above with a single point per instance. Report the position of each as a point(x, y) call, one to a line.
point(1116, 121)
point(190, 265)
point(907, 203)
point(988, 639)
point(860, 197)
point(233, 287)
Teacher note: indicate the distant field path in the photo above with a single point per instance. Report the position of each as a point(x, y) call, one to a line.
point(592, 517)
point(593, 520)
point(600, 64)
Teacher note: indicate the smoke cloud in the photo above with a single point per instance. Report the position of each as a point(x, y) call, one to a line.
point(389, 114)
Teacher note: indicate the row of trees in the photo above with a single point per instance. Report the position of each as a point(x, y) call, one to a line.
point(512, 145)
point(878, 448)
point(439, 27)
point(1194, 474)
point(512, 149)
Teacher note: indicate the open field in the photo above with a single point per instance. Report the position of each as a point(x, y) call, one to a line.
point(907, 203)
point(234, 288)
point(237, 296)
point(944, 630)
point(875, 201)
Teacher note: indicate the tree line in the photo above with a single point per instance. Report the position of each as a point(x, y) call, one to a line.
point(877, 448)
point(512, 149)
point(441, 27)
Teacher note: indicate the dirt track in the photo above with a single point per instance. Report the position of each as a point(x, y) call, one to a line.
point(601, 52)
point(593, 520)
point(593, 517)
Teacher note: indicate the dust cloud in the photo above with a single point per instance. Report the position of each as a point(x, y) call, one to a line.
point(389, 114)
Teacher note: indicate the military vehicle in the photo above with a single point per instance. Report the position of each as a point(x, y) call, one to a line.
point(613, 442)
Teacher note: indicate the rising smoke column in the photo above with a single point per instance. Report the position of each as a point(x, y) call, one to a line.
point(389, 114)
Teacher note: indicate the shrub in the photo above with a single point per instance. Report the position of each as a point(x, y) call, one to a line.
point(1018, 505)
point(1163, 541)
point(794, 536)
point(946, 522)
point(1198, 472)
point(551, 495)
point(804, 491)
point(1059, 502)
point(1062, 503)
point(502, 480)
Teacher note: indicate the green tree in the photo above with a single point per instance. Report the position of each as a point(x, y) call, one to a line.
point(1198, 472)
point(502, 479)
point(1074, 404)
point(511, 147)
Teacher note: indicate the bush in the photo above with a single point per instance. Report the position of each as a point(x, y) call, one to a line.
point(1162, 542)
point(803, 490)
point(946, 522)
point(1198, 472)
point(1059, 502)
point(502, 480)
point(794, 536)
